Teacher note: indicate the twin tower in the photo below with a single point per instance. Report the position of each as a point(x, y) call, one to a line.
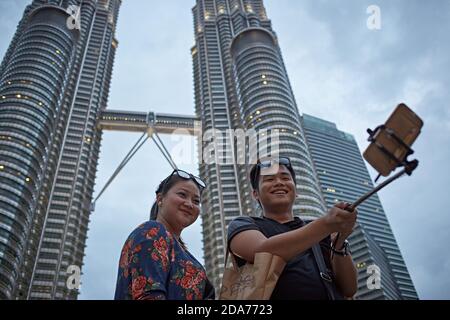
point(54, 85)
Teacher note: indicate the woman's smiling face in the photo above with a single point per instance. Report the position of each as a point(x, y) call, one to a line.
point(180, 206)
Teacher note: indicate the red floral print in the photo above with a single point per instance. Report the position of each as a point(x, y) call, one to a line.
point(154, 266)
point(138, 286)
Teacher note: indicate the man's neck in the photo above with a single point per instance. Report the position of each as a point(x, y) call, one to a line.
point(281, 217)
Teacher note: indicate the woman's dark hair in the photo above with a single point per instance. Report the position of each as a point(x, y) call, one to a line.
point(163, 188)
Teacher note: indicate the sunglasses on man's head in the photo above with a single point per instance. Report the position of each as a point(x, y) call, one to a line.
point(270, 166)
point(270, 162)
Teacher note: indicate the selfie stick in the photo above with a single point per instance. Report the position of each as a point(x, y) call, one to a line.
point(408, 168)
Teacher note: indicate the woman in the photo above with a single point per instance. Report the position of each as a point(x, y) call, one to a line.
point(155, 263)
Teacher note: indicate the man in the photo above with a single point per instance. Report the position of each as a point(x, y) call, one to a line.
point(280, 233)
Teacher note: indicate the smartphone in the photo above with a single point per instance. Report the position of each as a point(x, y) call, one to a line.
point(406, 126)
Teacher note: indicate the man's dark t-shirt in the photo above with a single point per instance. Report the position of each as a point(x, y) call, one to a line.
point(300, 279)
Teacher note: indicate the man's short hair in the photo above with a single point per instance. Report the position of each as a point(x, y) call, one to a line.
point(255, 172)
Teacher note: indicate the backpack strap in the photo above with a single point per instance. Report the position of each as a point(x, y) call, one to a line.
point(324, 274)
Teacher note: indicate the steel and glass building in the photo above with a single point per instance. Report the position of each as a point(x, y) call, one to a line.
point(240, 82)
point(54, 82)
point(343, 176)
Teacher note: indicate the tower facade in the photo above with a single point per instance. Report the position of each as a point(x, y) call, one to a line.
point(54, 82)
point(343, 176)
point(240, 82)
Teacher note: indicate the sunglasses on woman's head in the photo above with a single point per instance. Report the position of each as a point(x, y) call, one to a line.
point(189, 176)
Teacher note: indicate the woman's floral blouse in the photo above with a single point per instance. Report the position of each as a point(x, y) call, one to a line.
point(153, 265)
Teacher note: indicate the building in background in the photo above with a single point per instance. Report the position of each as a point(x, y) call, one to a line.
point(54, 82)
point(343, 176)
point(240, 82)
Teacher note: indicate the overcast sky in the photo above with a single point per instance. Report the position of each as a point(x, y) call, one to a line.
point(339, 70)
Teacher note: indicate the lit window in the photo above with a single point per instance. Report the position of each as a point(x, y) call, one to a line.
point(264, 82)
point(258, 112)
point(27, 179)
point(360, 265)
point(263, 76)
point(58, 52)
point(295, 132)
point(9, 82)
point(2, 167)
point(3, 97)
point(40, 103)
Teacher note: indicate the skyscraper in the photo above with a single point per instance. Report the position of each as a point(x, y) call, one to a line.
point(343, 176)
point(241, 82)
point(54, 82)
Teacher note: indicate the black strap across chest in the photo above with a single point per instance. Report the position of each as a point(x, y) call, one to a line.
point(270, 228)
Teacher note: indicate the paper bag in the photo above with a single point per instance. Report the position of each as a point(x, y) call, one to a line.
point(251, 281)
